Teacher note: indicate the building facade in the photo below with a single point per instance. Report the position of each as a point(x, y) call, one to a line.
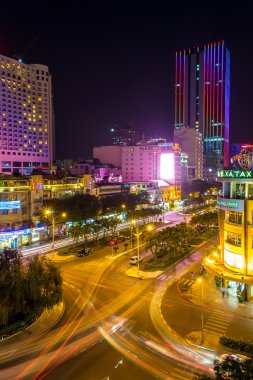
point(26, 117)
point(151, 163)
point(108, 155)
point(236, 227)
point(202, 99)
point(191, 143)
point(125, 136)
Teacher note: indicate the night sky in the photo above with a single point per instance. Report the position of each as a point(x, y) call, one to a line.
point(114, 64)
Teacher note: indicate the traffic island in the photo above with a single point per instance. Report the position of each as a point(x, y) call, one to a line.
point(206, 340)
point(133, 272)
point(60, 256)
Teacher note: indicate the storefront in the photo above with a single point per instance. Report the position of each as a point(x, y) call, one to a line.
point(18, 238)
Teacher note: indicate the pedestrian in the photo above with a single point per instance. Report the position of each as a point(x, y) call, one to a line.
point(192, 275)
point(223, 291)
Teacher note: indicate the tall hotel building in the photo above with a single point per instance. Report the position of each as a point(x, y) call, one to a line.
point(26, 133)
point(202, 100)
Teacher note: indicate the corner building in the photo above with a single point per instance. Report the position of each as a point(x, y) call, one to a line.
point(236, 226)
point(26, 117)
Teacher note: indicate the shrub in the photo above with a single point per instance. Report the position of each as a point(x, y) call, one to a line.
point(239, 345)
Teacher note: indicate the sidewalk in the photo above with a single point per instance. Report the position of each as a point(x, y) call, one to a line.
point(213, 299)
point(44, 323)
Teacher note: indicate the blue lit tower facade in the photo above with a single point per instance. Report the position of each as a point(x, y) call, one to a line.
point(202, 100)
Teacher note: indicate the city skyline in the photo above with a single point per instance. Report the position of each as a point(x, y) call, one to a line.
point(118, 66)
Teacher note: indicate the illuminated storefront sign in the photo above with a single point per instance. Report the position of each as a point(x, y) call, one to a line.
point(9, 205)
point(235, 174)
point(233, 259)
point(231, 204)
point(167, 166)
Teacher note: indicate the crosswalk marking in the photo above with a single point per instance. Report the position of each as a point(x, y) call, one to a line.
point(94, 263)
point(122, 269)
point(217, 324)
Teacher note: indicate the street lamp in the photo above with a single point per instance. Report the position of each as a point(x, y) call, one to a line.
point(137, 234)
point(150, 228)
point(200, 280)
point(133, 222)
point(49, 214)
point(123, 211)
point(118, 362)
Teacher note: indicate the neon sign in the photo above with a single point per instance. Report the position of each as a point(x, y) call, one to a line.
point(9, 205)
point(235, 174)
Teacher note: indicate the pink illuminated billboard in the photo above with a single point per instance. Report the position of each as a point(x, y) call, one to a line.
point(167, 166)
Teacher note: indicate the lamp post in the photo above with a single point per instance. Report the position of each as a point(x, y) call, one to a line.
point(200, 280)
point(49, 214)
point(118, 362)
point(133, 222)
point(123, 211)
point(137, 234)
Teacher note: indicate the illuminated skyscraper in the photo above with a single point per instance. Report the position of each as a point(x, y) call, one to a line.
point(26, 132)
point(202, 99)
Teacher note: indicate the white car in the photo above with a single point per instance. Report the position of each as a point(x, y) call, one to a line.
point(134, 260)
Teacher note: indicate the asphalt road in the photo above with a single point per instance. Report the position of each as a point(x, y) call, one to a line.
point(109, 315)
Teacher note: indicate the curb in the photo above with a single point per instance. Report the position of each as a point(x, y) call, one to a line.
point(36, 321)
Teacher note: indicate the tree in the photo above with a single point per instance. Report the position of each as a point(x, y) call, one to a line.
point(75, 231)
point(78, 208)
point(113, 223)
point(96, 228)
point(25, 289)
point(232, 369)
point(205, 221)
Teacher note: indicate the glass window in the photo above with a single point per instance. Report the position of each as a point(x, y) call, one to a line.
point(240, 191)
point(6, 164)
point(17, 164)
point(234, 239)
point(234, 217)
point(27, 164)
point(233, 259)
point(250, 191)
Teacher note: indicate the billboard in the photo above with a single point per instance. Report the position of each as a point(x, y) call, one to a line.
point(167, 166)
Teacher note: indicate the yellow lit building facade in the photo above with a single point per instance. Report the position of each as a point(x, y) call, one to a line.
point(236, 226)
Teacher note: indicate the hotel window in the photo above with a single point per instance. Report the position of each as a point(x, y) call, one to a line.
point(234, 239)
point(240, 191)
point(234, 217)
point(250, 195)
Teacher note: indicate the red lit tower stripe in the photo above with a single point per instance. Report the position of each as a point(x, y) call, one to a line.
point(179, 89)
point(204, 93)
point(222, 94)
point(184, 91)
point(176, 92)
point(218, 89)
point(213, 99)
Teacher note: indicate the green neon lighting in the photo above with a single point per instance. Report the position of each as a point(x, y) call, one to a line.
point(226, 203)
point(235, 174)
